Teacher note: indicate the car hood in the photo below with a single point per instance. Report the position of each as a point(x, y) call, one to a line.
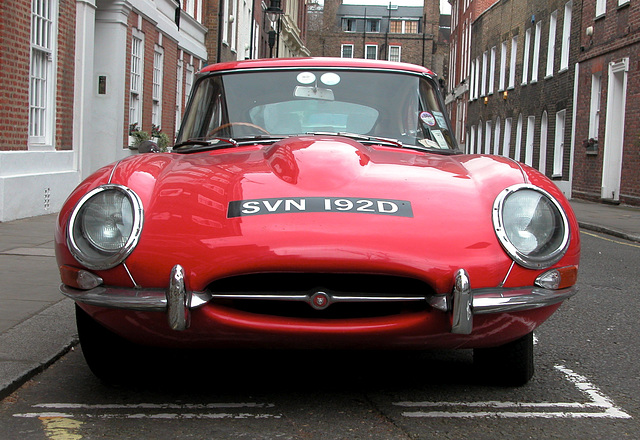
point(186, 199)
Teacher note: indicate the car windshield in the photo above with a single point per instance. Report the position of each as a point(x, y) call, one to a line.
point(277, 103)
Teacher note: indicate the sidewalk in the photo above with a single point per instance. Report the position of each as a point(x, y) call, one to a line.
point(37, 324)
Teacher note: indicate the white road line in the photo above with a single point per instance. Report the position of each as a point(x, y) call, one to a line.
point(60, 407)
point(153, 405)
point(163, 416)
point(597, 401)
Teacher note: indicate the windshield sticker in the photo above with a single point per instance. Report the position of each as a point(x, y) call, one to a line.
point(306, 78)
point(437, 134)
point(330, 79)
point(428, 119)
point(442, 123)
point(292, 205)
point(428, 143)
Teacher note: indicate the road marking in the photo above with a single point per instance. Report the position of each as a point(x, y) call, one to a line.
point(598, 406)
point(56, 428)
point(62, 410)
point(609, 239)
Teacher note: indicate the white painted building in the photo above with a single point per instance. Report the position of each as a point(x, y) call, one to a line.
point(36, 173)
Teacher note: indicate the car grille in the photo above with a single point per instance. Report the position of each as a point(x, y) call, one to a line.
point(297, 295)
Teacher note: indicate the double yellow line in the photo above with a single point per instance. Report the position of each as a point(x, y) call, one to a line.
point(609, 239)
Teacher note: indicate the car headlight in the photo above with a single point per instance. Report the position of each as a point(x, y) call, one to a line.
point(104, 227)
point(531, 226)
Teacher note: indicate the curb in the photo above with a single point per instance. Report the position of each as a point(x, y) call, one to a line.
point(33, 345)
point(609, 231)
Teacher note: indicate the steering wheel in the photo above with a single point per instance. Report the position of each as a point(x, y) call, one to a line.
point(242, 124)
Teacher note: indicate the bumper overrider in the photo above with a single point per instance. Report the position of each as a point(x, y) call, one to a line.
point(463, 302)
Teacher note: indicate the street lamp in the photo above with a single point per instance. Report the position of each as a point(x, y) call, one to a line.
point(273, 13)
point(274, 10)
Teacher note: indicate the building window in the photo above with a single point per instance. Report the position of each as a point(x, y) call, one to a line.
point(483, 86)
point(479, 138)
point(225, 21)
point(346, 51)
point(158, 73)
point(472, 80)
point(394, 53)
point(525, 59)
point(472, 139)
point(179, 89)
point(234, 24)
point(518, 148)
point(594, 113)
point(41, 75)
point(349, 25)
point(551, 49)
point(512, 64)
point(373, 25)
point(536, 53)
point(528, 149)
point(496, 137)
point(371, 52)
point(503, 66)
point(601, 7)
point(188, 80)
point(566, 36)
point(477, 82)
point(544, 129)
point(403, 26)
point(135, 98)
point(558, 149)
point(492, 70)
point(487, 142)
point(506, 144)
point(189, 7)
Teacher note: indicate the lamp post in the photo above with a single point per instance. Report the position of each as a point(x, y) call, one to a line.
point(273, 13)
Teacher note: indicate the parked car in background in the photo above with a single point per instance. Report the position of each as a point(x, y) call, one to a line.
point(317, 204)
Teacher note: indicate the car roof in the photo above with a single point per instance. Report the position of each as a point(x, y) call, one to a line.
point(320, 62)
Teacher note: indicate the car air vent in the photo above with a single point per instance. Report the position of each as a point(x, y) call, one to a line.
point(321, 295)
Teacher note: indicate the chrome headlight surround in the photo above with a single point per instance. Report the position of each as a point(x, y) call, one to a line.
point(531, 226)
point(105, 226)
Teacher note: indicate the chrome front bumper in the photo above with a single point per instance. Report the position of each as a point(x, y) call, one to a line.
point(463, 302)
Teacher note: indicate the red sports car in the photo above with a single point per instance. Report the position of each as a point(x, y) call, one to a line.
point(317, 204)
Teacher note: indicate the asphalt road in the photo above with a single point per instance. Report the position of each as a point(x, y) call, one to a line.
point(586, 384)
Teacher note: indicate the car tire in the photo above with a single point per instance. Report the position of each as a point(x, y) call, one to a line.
point(107, 354)
point(510, 364)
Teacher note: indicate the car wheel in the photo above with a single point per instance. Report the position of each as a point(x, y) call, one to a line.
point(107, 354)
point(510, 364)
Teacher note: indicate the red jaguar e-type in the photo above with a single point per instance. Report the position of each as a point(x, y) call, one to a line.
point(318, 204)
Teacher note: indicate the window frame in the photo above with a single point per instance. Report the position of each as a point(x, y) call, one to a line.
point(342, 48)
point(42, 74)
point(399, 53)
point(136, 78)
point(157, 83)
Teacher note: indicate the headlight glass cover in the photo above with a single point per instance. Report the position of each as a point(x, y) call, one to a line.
point(105, 225)
point(531, 226)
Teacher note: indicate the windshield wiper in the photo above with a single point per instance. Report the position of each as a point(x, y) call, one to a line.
point(194, 145)
point(366, 139)
point(361, 138)
point(259, 139)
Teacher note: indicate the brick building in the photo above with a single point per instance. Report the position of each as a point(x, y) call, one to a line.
point(607, 130)
point(554, 84)
point(245, 27)
point(75, 75)
point(463, 14)
point(521, 84)
point(398, 33)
